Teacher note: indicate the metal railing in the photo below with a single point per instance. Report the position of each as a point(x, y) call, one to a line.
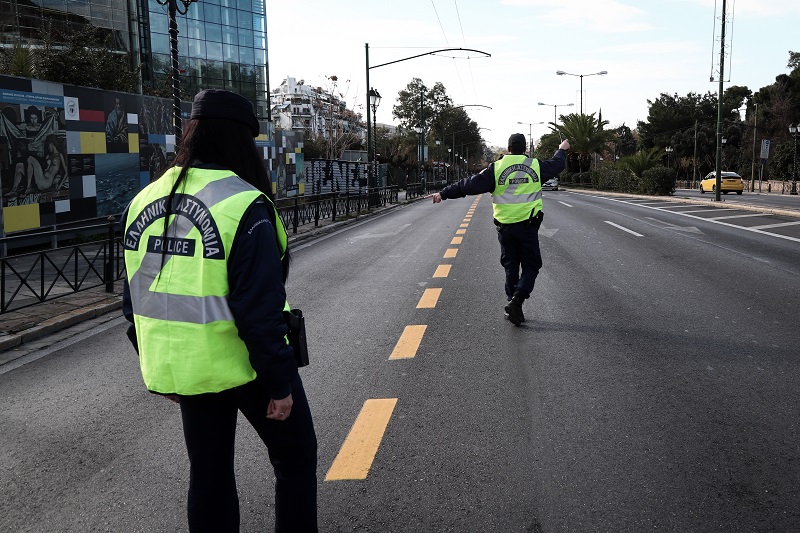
point(50, 269)
point(32, 277)
point(302, 210)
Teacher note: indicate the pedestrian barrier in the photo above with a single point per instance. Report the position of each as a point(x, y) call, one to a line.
point(302, 210)
point(49, 271)
point(44, 265)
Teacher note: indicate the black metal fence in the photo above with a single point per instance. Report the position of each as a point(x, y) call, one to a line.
point(93, 259)
point(308, 209)
point(46, 264)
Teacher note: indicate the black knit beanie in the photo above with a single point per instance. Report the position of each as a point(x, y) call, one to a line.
point(217, 103)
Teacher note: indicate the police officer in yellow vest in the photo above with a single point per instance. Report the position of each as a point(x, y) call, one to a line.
point(515, 182)
point(206, 260)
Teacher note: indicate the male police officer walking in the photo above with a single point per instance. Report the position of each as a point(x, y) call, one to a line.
point(515, 182)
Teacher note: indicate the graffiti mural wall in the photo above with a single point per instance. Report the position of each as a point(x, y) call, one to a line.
point(72, 153)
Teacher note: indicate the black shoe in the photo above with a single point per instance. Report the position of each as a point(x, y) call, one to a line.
point(513, 312)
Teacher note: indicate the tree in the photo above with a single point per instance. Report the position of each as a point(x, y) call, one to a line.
point(17, 60)
point(547, 146)
point(641, 161)
point(624, 142)
point(434, 110)
point(586, 137)
point(418, 105)
point(83, 57)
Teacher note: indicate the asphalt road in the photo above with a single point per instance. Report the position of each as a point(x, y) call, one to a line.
point(653, 387)
point(755, 198)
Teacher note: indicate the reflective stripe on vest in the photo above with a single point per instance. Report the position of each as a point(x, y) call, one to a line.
point(517, 193)
point(188, 342)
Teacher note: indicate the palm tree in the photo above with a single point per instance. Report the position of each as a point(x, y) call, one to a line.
point(641, 161)
point(586, 137)
point(17, 60)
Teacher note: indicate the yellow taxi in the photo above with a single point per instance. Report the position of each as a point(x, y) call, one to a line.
point(729, 182)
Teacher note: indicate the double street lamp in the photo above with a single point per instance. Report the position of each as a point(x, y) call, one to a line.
point(668, 149)
point(601, 73)
point(530, 141)
point(795, 131)
point(555, 110)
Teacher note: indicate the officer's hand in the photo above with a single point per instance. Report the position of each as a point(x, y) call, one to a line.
point(564, 145)
point(280, 409)
point(436, 197)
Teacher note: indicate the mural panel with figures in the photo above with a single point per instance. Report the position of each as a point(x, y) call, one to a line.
point(72, 153)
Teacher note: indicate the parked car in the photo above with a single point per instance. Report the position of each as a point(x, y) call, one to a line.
point(729, 182)
point(550, 185)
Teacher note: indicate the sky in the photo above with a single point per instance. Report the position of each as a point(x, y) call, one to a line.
point(648, 47)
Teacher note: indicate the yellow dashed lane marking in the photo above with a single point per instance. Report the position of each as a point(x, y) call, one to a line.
point(460, 231)
point(457, 240)
point(465, 225)
point(407, 346)
point(359, 448)
point(429, 299)
point(442, 271)
point(450, 253)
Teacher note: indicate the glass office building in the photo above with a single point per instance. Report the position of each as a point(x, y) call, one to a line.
point(221, 43)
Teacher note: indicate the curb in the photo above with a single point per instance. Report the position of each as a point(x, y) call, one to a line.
point(57, 323)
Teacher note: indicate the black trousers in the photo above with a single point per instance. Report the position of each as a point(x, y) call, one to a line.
point(519, 251)
point(209, 426)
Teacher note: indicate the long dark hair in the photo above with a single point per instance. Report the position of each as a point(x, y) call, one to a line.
point(229, 145)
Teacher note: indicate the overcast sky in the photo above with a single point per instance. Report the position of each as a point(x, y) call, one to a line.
point(647, 46)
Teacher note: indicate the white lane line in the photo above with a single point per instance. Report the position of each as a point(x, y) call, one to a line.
point(564, 203)
point(701, 210)
point(685, 214)
point(779, 225)
point(741, 216)
point(623, 228)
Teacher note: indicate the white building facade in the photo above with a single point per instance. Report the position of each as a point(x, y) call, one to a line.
point(297, 106)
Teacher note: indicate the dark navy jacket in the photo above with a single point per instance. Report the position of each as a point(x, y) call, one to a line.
point(484, 180)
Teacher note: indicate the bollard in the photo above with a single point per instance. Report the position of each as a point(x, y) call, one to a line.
point(109, 266)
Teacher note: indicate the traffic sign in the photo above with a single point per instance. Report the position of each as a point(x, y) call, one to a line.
point(764, 149)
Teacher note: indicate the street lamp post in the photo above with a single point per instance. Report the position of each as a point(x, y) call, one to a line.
point(438, 157)
point(419, 130)
point(601, 73)
point(555, 110)
point(668, 149)
point(374, 102)
point(173, 9)
point(795, 131)
point(450, 159)
point(530, 140)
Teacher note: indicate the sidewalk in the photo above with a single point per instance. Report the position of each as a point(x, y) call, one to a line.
point(37, 321)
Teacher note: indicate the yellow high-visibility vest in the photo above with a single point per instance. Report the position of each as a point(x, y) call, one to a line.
point(517, 192)
point(188, 342)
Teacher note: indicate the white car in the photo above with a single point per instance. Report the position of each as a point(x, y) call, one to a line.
point(550, 185)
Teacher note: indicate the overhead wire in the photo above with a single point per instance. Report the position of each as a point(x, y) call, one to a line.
point(469, 62)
